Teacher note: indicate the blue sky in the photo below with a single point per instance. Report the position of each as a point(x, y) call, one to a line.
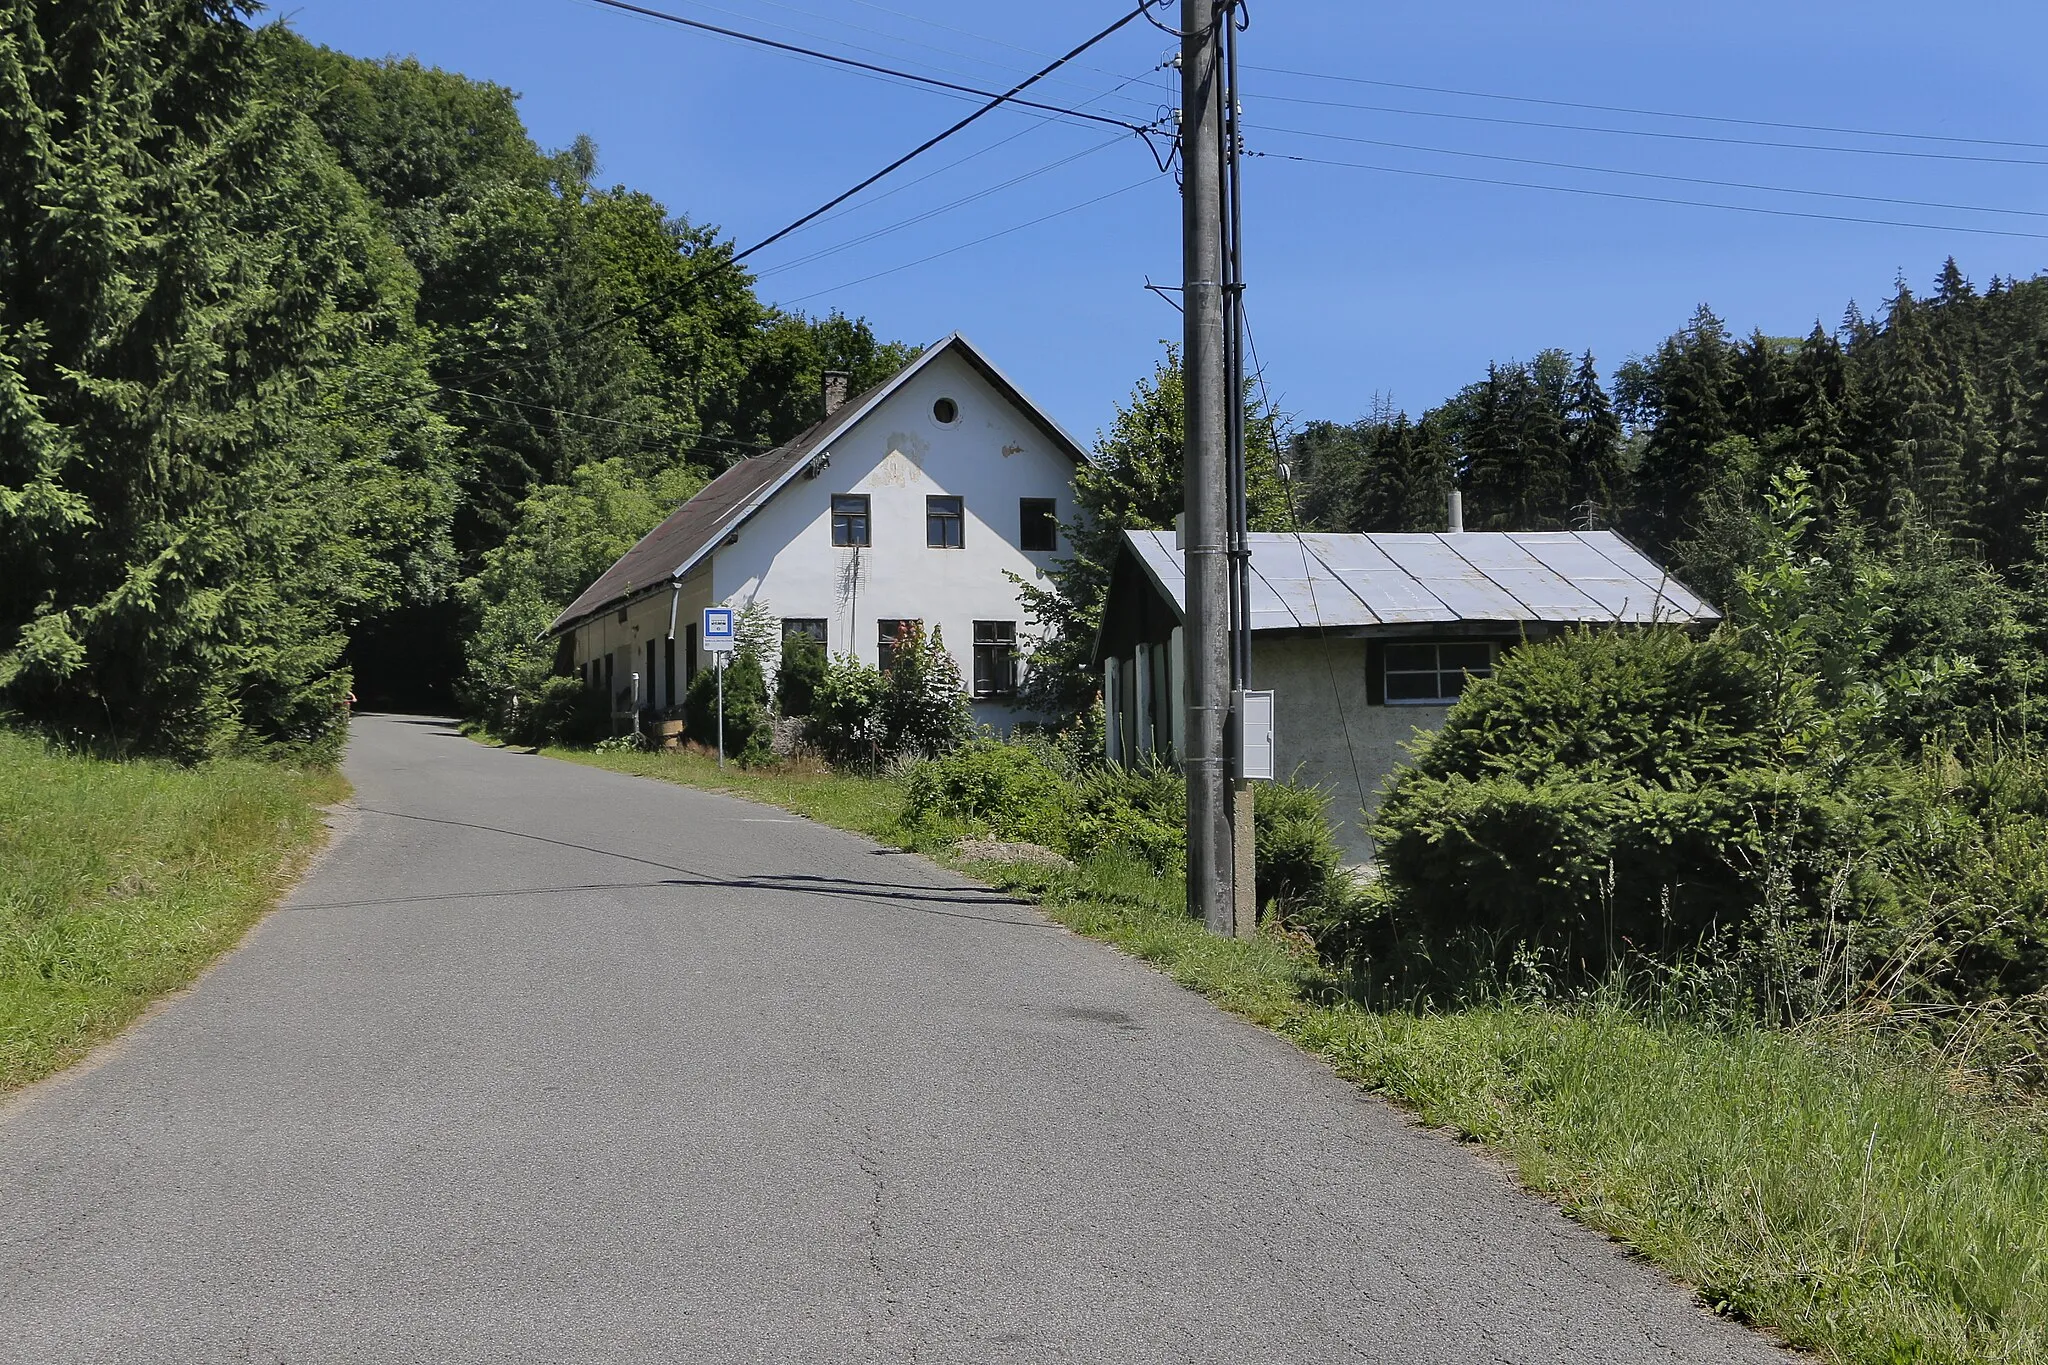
point(1361, 282)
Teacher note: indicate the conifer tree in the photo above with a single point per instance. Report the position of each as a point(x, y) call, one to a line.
point(1592, 440)
point(1693, 373)
point(184, 277)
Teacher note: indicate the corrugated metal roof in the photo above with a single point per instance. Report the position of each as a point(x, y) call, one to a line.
point(1319, 580)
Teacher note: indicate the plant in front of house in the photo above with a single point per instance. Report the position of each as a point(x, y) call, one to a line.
point(925, 709)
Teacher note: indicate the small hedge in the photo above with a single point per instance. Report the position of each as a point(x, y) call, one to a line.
point(1029, 789)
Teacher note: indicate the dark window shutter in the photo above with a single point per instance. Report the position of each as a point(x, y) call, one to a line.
point(1375, 673)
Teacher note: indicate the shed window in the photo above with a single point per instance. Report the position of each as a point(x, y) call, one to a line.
point(942, 522)
point(891, 631)
point(1436, 673)
point(995, 658)
point(1037, 524)
point(850, 519)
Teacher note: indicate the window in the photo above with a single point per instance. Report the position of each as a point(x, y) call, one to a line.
point(889, 632)
point(850, 519)
point(1421, 674)
point(945, 412)
point(813, 626)
point(942, 523)
point(1037, 525)
point(995, 658)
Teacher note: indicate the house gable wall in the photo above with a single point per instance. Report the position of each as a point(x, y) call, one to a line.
point(897, 455)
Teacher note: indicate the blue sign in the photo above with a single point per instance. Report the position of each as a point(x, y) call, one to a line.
point(718, 629)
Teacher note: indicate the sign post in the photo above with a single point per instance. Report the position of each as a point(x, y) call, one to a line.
point(717, 635)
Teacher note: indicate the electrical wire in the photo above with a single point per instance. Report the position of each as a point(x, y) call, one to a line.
point(856, 64)
point(1301, 545)
point(989, 39)
point(730, 260)
point(931, 213)
point(1652, 198)
point(1641, 113)
point(1654, 175)
point(1655, 133)
point(891, 36)
point(951, 250)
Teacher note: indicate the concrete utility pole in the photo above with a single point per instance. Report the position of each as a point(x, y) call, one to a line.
point(1211, 870)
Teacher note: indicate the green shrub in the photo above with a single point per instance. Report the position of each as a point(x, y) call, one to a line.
point(746, 708)
point(1140, 812)
point(1008, 789)
point(1605, 796)
point(566, 712)
point(925, 709)
point(797, 676)
point(1299, 868)
point(846, 714)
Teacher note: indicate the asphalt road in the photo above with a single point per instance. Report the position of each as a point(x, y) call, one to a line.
point(542, 1063)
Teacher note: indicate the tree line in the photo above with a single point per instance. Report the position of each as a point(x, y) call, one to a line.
point(304, 357)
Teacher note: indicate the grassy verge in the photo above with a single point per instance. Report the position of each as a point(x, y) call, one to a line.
point(1833, 1188)
point(120, 881)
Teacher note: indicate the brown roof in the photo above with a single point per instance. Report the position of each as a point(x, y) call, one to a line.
point(673, 548)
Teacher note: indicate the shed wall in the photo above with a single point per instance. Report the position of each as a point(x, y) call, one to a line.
point(1319, 695)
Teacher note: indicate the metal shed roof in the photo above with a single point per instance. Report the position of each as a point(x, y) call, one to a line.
point(1319, 581)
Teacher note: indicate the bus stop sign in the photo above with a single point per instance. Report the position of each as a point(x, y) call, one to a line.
point(718, 629)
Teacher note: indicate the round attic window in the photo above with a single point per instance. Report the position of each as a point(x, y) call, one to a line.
point(945, 412)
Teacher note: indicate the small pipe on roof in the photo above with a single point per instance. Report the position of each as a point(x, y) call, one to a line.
point(1457, 512)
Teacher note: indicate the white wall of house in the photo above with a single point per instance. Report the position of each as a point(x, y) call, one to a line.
point(1319, 693)
point(990, 457)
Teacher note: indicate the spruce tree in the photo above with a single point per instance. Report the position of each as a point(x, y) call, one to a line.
point(1692, 375)
point(183, 272)
point(1592, 440)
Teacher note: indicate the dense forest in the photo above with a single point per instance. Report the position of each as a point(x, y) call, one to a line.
point(302, 357)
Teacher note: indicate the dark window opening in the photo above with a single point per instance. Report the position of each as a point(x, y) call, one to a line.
point(850, 519)
point(668, 673)
point(1038, 526)
point(1421, 674)
point(943, 518)
point(689, 655)
point(890, 632)
point(946, 412)
point(813, 626)
point(995, 658)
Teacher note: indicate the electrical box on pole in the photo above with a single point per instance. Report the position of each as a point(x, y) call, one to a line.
point(1255, 736)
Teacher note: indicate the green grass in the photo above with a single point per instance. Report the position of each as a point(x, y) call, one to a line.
point(1834, 1188)
point(120, 881)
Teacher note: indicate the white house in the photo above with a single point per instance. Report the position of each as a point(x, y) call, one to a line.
point(915, 501)
point(1365, 640)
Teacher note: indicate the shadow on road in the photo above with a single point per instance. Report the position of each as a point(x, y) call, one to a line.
point(925, 899)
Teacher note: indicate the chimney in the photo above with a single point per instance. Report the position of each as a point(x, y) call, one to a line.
point(836, 382)
point(1457, 511)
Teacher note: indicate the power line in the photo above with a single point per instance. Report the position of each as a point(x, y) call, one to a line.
point(1652, 198)
point(731, 260)
point(858, 65)
point(1308, 573)
point(1655, 175)
point(1654, 133)
point(951, 250)
point(890, 36)
point(937, 211)
point(1643, 113)
point(986, 38)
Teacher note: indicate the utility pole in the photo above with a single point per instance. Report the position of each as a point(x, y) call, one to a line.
point(1208, 529)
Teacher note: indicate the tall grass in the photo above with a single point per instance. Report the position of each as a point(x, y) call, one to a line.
point(119, 881)
point(1835, 1185)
